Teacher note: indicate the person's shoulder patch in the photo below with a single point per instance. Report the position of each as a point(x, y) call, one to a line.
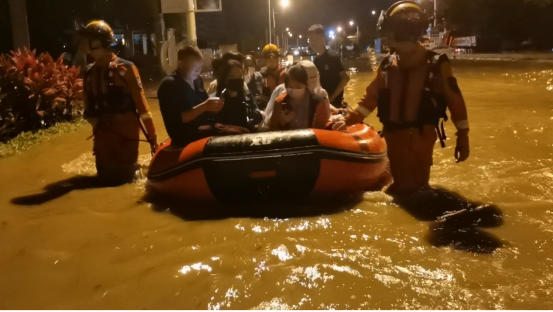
point(452, 82)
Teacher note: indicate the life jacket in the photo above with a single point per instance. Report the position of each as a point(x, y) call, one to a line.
point(270, 73)
point(283, 104)
point(433, 105)
point(103, 95)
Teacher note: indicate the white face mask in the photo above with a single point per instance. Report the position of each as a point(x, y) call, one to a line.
point(296, 94)
point(247, 79)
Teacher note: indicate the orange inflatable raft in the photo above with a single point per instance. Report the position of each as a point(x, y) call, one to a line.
point(271, 166)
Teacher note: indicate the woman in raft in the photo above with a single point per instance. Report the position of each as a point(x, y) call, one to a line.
point(297, 107)
point(240, 110)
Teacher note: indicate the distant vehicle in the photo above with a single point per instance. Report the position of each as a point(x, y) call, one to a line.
point(298, 52)
point(350, 51)
point(444, 49)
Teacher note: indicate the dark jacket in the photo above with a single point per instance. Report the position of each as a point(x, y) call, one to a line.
point(175, 97)
point(239, 111)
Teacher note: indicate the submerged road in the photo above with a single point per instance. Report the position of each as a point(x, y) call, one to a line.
point(66, 244)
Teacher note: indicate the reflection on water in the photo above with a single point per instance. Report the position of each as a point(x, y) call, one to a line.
point(482, 240)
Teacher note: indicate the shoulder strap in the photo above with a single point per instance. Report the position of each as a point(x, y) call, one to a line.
point(89, 67)
point(433, 69)
point(386, 64)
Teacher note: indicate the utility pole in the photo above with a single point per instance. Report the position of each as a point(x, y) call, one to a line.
point(270, 24)
point(158, 26)
point(20, 27)
point(435, 13)
point(191, 20)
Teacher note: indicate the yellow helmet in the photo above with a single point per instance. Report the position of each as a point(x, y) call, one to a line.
point(271, 50)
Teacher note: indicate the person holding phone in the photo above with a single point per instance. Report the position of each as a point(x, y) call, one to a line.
point(183, 100)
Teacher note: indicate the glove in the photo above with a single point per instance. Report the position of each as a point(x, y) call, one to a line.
point(354, 118)
point(462, 149)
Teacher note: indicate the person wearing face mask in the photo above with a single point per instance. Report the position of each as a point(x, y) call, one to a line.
point(298, 108)
point(412, 89)
point(115, 106)
point(314, 87)
point(183, 100)
point(254, 80)
point(240, 108)
point(228, 56)
point(273, 73)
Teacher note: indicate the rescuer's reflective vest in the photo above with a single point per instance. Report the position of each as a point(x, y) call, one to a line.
point(433, 105)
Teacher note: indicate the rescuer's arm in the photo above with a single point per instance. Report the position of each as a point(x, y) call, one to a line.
point(458, 109)
point(369, 102)
point(132, 77)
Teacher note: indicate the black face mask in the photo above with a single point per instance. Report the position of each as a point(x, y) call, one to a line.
point(236, 85)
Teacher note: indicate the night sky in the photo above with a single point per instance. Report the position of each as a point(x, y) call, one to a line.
point(303, 13)
point(49, 17)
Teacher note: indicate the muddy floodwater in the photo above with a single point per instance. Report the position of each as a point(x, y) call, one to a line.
point(66, 244)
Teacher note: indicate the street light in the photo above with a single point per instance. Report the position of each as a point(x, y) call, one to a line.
point(339, 29)
point(331, 33)
point(298, 41)
point(272, 23)
point(284, 41)
point(357, 34)
point(374, 12)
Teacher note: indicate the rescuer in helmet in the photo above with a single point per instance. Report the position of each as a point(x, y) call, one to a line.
point(273, 73)
point(412, 90)
point(115, 106)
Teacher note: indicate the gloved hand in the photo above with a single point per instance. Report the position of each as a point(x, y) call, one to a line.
point(462, 149)
point(353, 118)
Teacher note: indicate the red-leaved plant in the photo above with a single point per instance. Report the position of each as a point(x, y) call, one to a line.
point(36, 92)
